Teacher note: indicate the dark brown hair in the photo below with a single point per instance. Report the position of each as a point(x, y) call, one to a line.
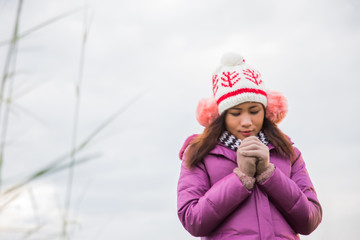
point(206, 141)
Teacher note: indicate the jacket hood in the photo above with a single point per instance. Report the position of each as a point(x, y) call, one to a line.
point(186, 144)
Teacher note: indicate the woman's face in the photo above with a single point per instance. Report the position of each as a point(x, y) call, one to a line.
point(245, 119)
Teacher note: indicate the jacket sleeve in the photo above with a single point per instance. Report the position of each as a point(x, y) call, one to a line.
point(295, 197)
point(201, 207)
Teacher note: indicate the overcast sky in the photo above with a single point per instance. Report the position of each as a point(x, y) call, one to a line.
point(156, 57)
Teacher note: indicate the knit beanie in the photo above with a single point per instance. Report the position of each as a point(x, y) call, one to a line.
point(235, 82)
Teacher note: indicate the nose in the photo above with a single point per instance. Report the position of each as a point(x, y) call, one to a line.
point(245, 121)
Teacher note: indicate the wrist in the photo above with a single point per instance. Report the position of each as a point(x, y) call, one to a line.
point(261, 168)
point(266, 174)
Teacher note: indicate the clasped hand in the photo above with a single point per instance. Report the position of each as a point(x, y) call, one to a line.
point(252, 156)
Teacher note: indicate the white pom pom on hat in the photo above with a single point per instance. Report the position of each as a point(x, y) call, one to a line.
point(231, 59)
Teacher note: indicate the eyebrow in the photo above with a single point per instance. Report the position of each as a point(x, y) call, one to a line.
point(235, 108)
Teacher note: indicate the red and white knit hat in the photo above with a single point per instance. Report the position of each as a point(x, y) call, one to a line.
point(235, 82)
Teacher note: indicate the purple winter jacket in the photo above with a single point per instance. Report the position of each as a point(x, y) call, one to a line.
point(213, 203)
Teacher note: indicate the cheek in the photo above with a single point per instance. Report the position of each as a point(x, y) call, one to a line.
point(259, 124)
point(230, 122)
point(259, 120)
point(227, 122)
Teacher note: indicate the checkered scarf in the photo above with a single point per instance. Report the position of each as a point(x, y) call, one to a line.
point(233, 143)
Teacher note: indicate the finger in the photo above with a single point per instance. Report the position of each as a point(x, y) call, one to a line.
point(258, 144)
point(251, 142)
point(253, 153)
point(250, 153)
point(248, 139)
point(249, 147)
point(252, 160)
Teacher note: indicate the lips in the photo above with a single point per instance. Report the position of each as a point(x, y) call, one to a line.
point(246, 133)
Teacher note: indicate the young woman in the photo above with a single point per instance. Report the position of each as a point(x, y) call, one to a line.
point(242, 178)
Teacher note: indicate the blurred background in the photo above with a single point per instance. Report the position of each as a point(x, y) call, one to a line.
point(97, 98)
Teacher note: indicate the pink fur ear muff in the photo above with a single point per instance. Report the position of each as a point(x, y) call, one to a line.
point(207, 111)
point(277, 106)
